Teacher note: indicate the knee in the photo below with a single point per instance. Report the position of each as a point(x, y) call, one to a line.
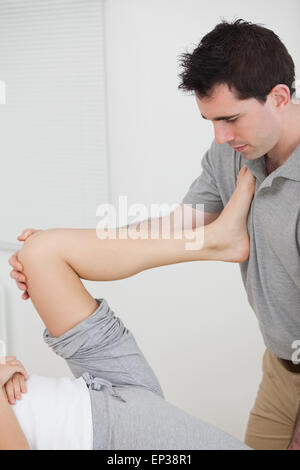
point(36, 247)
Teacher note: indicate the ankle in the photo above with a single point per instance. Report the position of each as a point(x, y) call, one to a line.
point(225, 244)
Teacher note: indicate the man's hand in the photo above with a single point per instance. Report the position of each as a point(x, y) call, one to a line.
point(294, 446)
point(295, 442)
point(17, 273)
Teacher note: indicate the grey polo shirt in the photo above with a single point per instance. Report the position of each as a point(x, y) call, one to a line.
point(271, 275)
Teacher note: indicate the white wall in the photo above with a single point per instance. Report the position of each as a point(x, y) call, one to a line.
point(191, 320)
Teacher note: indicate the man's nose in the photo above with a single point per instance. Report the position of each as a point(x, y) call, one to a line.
point(223, 134)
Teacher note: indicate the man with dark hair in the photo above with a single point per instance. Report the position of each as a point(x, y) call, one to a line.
point(243, 79)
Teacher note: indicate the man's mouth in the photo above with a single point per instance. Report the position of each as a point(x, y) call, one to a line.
point(240, 148)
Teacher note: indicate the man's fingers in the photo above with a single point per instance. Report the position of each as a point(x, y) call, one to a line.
point(21, 285)
point(26, 233)
point(17, 276)
point(14, 262)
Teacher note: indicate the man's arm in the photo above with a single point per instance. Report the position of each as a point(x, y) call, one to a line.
point(11, 434)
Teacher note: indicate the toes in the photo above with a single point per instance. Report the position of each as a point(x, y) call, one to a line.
point(246, 178)
point(242, 172)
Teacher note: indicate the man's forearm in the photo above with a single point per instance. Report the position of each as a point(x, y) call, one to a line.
point(11, 434)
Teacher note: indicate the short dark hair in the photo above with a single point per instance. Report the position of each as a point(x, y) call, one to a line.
point(246, 56)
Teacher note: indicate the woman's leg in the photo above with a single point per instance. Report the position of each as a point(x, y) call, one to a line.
point(54, 260)
point(149, 422)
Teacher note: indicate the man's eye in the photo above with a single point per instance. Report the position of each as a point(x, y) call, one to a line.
point(232, 120)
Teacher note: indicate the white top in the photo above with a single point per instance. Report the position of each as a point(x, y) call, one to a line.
point(55, 413)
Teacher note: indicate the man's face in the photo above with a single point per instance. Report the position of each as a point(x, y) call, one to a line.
point(253, 124)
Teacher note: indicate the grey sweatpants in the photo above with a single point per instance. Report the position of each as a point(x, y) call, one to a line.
point(128, 407)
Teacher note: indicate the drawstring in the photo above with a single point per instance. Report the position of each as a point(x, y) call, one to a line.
point(96, 383)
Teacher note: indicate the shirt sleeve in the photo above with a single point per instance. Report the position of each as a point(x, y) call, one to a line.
point(204, 189)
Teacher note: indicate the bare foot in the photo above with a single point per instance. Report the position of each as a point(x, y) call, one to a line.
point(231, 225)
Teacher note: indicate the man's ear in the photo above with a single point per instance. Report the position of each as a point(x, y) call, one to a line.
point(280, 96)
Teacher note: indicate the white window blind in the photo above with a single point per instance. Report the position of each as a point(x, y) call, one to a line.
point(54, 168)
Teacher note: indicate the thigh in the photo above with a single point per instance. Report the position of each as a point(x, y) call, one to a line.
point(272, 418)
point(102, 346)
point(88, 335)
point(146, 421)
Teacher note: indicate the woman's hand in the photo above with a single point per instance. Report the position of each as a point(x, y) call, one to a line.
point(14, 387)
point(9, 367)
point(12, 436)
point(17, 273)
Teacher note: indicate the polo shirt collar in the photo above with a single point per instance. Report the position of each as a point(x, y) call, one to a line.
point(290, 169)
point(257, 167)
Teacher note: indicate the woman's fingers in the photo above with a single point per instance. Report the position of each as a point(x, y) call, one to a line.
point(13, 361)
point(22, 384)
point(21, 369)
point(18, 366)
point(9, 368)
point(9, 389)
point(17, 386)
point(14, 387)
